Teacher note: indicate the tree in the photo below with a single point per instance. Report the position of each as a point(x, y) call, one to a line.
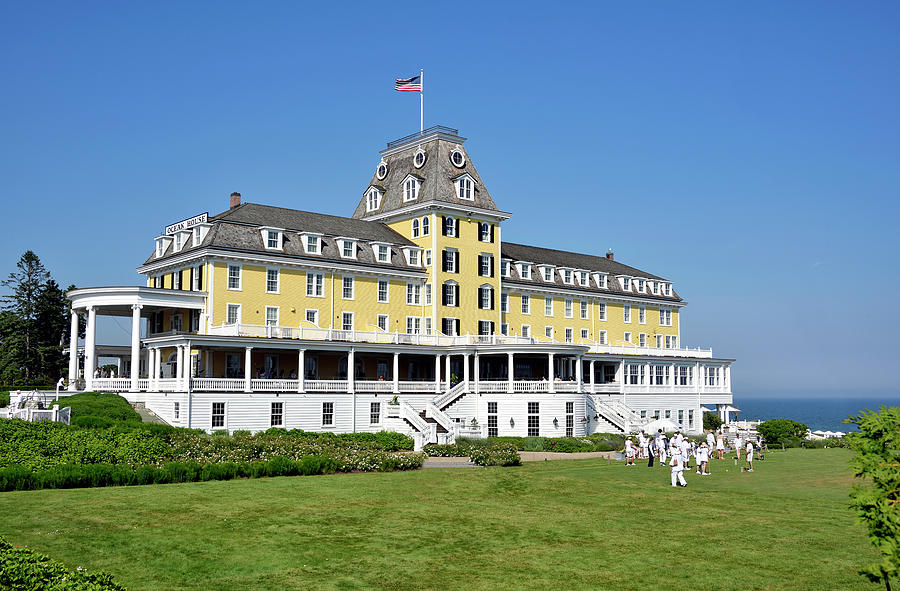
point(52, 328)
point(877, 499)
point(711, 421)
point(780, 430)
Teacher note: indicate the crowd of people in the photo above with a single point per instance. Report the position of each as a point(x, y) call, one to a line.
point(679, 452)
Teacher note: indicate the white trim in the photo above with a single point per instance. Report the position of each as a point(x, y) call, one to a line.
point(277, 280)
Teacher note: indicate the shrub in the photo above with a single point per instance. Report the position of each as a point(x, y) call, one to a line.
point(502, 454)
point(26, 570)
point(4, 399)
point(100, 404)
point(776, 431)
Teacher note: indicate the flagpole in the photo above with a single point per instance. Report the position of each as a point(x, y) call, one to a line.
point(421, 101)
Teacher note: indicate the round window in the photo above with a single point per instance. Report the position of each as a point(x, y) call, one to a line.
point(381, 171)
point(457, 158)
point(419, 159)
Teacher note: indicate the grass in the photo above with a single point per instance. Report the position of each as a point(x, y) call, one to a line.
point(574, 524)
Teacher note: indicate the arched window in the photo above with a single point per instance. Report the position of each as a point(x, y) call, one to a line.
point(373, 199)
point(449, 226)
point(415, 228)
point(425, 226)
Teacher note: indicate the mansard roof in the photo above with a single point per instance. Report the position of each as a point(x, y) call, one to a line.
point(238, 229)
point(579, 262)
point(438, 173)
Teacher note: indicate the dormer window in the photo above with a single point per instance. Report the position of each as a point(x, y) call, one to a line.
point(600, 278)
point(654, 287)
point(464, 188)
point(373, 199)
point(273, 238)
point(197, 235)
point(567, 276)
point(583, 278)
point(383, 253)
point(419, 158)
point(348, 248)
point(410, 189)
point(312, 243)
point(546, 273)
point(667, 289)
point(641, 285)
point(626, 283)
point(504, 268)
point(179, 241)
point(525, 270)
point(413, 256)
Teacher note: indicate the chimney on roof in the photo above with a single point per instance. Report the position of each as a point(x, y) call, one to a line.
point(235, 200)
point(609, 253)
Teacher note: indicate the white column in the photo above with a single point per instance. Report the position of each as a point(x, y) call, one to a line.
point(447, 370)
point(135, 345)
point(476, 369)
point(301, 370)
point(551, 373)
point(437, 374)
point(248, 370)
point(396, 373)
point(151, 352)
point(591, 376)
point(466, 370)
point(726, 378)
point(179, 367)
point(73, 352)
point(351, 370)
point(89, 348)
point(510, 376)
point(188, 367)
point(157, 367)
point(578, 371)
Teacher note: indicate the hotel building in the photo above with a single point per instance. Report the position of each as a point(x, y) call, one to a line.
point(412, 315)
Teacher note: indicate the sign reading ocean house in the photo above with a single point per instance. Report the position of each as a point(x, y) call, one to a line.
point(411, 315)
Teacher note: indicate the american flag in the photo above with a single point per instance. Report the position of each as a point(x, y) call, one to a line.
point(408, 84)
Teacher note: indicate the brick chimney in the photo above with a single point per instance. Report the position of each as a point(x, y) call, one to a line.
point(609, 253)
point(236, 200)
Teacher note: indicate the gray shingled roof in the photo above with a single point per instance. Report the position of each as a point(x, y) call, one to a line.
point(438, 174)
point(574, 260)
point(238, 229)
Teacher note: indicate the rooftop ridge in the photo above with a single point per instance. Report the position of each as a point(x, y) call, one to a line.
point(433, 130)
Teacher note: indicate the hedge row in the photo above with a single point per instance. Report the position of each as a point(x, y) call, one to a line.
point(22, 569)
point(593, 442)
point(502, 454)
point(95, 475)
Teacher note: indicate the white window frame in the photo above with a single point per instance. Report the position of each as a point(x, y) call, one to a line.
point(414, 228)
point(277, 314)
point(329, 423)
point(345, 243)
point(410, 189)
point(642, 339)
point(240, 277)
point(504, 303)
point(548, 306)
point(426, 225)
point(569, 308)
point(642, 315)
point(413, 294)
point(413, 325)
point(601, 311)
point(526, 303)
point(525, 271)
point(465, 188)
point(315, 320)
point(344, 316)
point(548, 332)
point(312, 243)
point(626, 313)
point(526, 331)
point(387, 322)
point(427, 259)
point(316, 281)
point(601, 337)
point(373, 199)
point(585, 334)
point(569, 335)
point(627, 337)
point(375, 412)
point(237, 309)
point(387, 291)
point(504, 268)
point(213, 415)
point(344, 279)
point(382, 253)
point(277, 280)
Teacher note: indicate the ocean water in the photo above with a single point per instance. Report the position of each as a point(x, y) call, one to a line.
point(824, 414)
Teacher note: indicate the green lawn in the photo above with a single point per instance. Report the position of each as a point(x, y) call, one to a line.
point(574, 524)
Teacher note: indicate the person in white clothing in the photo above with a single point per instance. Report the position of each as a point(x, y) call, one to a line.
point(642, 445)
point(661, 445)
point(685, 454)
point(737, 447)
point(710, 440)
point(720, 446)
point(703, 460)
point(629, 452)
point(749, 456)
point(677, 466)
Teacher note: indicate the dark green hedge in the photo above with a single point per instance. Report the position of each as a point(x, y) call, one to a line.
point(99, 405)
point(22, 569)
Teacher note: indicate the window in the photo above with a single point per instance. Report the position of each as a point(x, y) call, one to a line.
point(449, 326)
point(570, 419)
point(504, 268)
point(198, 236)
point(626, 283)
point(383, 253)
point(218, 415)
point(312, 316)
point(485, 327)
point(276, 414)
point(654, 287)
point(667, 289)
point(601, 281)
point(547, 273)
point(373, 199)
point(327, 413)
point(635, 374)
point(568, 334)
point(642, 315)
point(233, 314)
point(485, 232)
point(601, 311)
point(179, 240)
point(601, 337)
point(548, 306)
point(526, 331)
point(526, 304)
point(685, 375)
point(665, 317)
point(674, 342)
point(567, 276)
point(659, 375)
point(272, 277)
point(312, 244)
point(413, 325)
point(534, 419)
point(641, 284)
point(504, 329)
point(347, 288)
point(347, 321)
point(457, 158)
point(642, 339)
point(504, 302)
point(197, 278)
point(485, 265)
point(382, 322)
point(176, 279)
point(415, 228)
point(176, 411)
point(464, 189)
point(548, 332)
point(348, 249)
point(584, 334)
point(427, 257)
point(374, 413)
point(426, 225)
point(271, 315)
point(449, 227)
point(627, 312)
point(659, 341)
point(234, 277)
point(427, 294)
point(525, 271)
point(451, 257)
point(668, 413)
point(584, 309)
point(315, 285)
point(493, 431)
point(451, 291)
point(627, 337)
point(272, 239)
point(582, 278)
point(486, 297)
point(691, 418)
point(414, 294)
point(410, 190)
point(568, 308)
point(382, 290)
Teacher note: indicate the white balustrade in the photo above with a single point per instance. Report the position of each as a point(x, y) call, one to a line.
point(416, 386)
point(493, 386)
point(373, 386)
point(325, 385)
point(111, 384)
point(531, 386)
point(167, 384)
point(565, 386)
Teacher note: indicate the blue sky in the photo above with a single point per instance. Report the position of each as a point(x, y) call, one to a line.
point(748, 152)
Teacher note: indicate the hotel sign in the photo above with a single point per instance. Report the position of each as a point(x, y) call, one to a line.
point(186, 224)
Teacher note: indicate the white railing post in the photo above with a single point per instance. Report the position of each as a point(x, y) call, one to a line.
point(510, 376)
point(248, 369)
point(551, 387)
point(351, 370)
point(396, 373)
point(578, 376)
point(591, 376)
point(437, 374)
point(301, 369)
point(466, 371)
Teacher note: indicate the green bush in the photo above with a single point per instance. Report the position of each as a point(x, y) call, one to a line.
point(4, 399)
point(502, 454)
point(22, 569)
point(534, 444)
point(776, 431)
point(100, 404)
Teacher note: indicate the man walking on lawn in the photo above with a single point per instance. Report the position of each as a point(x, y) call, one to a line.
point(677, 465)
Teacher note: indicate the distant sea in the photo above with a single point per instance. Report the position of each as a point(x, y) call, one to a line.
point(825, 414)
